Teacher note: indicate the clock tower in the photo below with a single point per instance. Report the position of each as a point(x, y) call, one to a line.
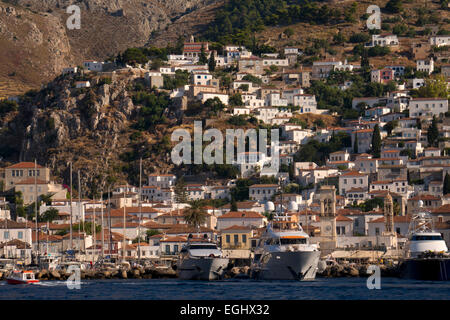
point(327, 197)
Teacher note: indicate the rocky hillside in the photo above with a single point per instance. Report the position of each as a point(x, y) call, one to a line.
point(36, 43)
point(95, 128)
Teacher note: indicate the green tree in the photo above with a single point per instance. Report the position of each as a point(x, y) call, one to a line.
point(235, 100)
point(203, 59)
point(376, 142)
point(394, 6)
point(180, 191)
point(212, 62)
point(49, 215)
point(447, 183)
point(433, 133)
point(195, 215)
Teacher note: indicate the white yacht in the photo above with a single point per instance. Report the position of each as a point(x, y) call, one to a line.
point(201, 260)
point(284, 253)
point(422, 239)
point(426, 253)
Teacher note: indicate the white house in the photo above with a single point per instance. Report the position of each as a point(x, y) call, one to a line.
point(93, 65)
point(82, 84)
point(440, 41)
point(241, 218)
point(352, 179)
point(306, 102)
point(427, 107)
point(262, 192)
point(426, 66)
point(204, 96)
point(383, 40)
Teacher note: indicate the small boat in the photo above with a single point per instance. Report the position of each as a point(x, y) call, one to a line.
point(21, 277)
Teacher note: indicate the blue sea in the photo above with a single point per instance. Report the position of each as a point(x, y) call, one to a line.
point(173, 289)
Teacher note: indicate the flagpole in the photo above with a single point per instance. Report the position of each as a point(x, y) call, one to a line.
point(103, 234)
point(71, 211)
point(36, 209)
point(140, 210)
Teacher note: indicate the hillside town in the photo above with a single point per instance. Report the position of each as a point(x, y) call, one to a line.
point(394, 154)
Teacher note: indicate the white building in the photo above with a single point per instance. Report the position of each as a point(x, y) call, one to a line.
point(426, 66)
point(93, 65)
point(427, 107)
point(440, 41)
point(262, 192)
point(161, 180)
point(352, 179)
point(383, 40)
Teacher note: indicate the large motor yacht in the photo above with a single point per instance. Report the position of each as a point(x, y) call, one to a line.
point(201, 260)
point(284, 252)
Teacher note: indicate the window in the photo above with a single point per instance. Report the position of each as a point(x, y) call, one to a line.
point(20, 235)
point(377, 231)
point(244, 238)
point(175, 248)
point(227, 238)
point(167, 249)
point(236, 238)
point(397, 230)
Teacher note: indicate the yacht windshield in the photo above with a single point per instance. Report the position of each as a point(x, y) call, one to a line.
point(293, 241)
point(420, 238)
point(203, 246)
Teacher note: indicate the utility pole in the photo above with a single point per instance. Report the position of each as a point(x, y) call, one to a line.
point(80, 214)
point(109, 222)
point(124, 210)
point(103, 234)
point(140, 210)
point(36, 210)
point(94, 234)
point(71, 211)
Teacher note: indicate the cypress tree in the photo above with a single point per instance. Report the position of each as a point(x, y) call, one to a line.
point(212, 62)
point(203, 58)
point(355, 146)
point(447, 183)
point(376, 141)
point(433, 133)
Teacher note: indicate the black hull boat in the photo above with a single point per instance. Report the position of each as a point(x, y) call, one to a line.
point(432, 269)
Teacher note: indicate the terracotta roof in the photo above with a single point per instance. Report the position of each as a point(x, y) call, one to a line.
point(343, 218)
point(174, 239)
point(24, 165)
point(241, 214)
point(235, 227)
point(397, 219)
point(353, 174)
point(445, 209)
point(31, 181)
point(264, 186)
point(17, 243)
point(11, 224)
point(425, 197)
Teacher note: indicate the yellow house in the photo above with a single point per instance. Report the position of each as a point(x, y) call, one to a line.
point(237, 237)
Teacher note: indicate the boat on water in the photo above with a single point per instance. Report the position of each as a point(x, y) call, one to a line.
point(21, 277)
point(201, 260)
point(426, 253)
point(284, 252)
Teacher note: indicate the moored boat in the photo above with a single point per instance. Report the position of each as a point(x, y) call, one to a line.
point(21, 277)
point(426, 253)
point(201, 260)
point(284, 253)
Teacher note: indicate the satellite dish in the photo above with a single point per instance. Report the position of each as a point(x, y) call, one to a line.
point(420, 204)
point(269, 206)
point(293, 206)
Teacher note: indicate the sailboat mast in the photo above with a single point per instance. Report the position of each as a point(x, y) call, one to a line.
point(71, 211)
point(140, 209)
point(124, 209)
point(103, 234)
point(109, 222)
point(36, 208)
point(93, 233)
point(80, 214)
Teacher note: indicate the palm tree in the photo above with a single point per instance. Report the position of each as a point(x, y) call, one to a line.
point(196, 214)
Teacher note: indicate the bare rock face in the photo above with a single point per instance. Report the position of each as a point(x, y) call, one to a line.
point(36, 31)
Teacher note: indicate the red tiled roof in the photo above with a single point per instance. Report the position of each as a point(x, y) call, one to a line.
point(241, 214)
point(24, 165)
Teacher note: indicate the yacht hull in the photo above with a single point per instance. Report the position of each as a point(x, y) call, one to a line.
point(296, 265)
point(202, 268)
point(434, 269)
